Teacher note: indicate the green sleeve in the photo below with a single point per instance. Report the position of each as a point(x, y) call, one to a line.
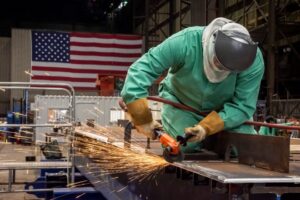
point(150, 66)
point(243, 104)
point(263, 130)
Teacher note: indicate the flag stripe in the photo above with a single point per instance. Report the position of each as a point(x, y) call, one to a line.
point(92, 88)
point(77, 66)
point(94, 44)
point(106, 36)
point(106, 50)
point(64, 78)
point(80, 71)
point(102, 58)
point(110, 54)
point(106, 41)
point(94, 62)
point(69, 74)
point(74, 84)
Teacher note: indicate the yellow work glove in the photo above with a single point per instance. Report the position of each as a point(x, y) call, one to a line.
point(148, 129)
point(209, 125)
point(141, 117)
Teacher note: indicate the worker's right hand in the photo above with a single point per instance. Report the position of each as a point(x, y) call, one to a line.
point(195, 134)
point(209, 125)
point(148, 129)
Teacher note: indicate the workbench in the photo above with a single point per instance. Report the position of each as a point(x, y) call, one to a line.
point(256, 180)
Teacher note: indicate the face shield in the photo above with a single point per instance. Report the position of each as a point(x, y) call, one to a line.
point(233, 51)
point(212, 57)
point(227, 48)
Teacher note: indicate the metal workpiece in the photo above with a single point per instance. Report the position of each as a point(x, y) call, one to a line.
point(118, 186)
point(34, 165)
point(267, 152)
point(235, 173)
point(99, 179)
point(195, 177)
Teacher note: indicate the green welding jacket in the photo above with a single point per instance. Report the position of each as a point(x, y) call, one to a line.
point(234, 98)
point(267, 131)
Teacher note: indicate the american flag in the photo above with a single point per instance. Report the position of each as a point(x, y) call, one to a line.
point(78, 58)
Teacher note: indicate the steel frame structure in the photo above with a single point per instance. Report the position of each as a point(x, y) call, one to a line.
point(262, 14)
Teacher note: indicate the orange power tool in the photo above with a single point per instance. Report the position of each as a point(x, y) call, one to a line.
point(171, 152)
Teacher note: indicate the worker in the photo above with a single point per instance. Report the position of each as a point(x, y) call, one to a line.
point(215, 69)
point(264, 130)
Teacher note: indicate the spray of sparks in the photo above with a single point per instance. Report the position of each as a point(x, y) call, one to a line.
point(116, 156)
point(28, 73)
point(111, 154)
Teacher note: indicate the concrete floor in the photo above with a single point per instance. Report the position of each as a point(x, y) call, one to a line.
point(13, 153)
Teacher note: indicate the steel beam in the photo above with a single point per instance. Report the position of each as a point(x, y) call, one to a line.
point(199, 12)
point(166, 21)
point(271, 56)
point(172, 24)
point(221, 8)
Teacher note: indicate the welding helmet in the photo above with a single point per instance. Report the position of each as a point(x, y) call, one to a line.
point(227, 48)
point(235, 51)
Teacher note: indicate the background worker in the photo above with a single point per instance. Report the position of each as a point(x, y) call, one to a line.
point(215, 69)
point(268, 130)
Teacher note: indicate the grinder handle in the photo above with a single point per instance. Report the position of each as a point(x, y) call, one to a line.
point(183, 139)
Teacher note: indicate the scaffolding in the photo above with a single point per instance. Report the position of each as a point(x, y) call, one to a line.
point(274, 24)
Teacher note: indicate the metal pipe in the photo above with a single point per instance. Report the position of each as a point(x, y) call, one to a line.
point(33, 165)
point(37, 125)
point(188, 108)
point(36, 88)
point(271, 125)
point(71, 88)
point(30, 190)
point(14, 176)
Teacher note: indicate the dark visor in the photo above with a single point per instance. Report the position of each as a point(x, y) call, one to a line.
point(232, 54)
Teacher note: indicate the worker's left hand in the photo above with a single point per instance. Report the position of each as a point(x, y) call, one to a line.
point(197, 132)
point(148, 129)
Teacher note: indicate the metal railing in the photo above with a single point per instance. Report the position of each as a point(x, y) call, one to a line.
point(54, 87)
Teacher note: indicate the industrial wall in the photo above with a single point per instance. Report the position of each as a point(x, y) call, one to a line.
point(20, 58)
point(5, 58)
